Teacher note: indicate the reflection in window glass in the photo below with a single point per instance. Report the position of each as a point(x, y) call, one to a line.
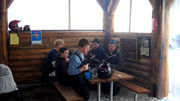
point(40, 14)
point(141, 16)
point(121, 19)
point(86, 14)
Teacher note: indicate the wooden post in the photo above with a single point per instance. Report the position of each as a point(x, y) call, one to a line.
point(160, 46)
point(3, 33)
point(163, 70)
point(108, 27)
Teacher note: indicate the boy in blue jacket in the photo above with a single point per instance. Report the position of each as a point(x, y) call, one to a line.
point(76, 69)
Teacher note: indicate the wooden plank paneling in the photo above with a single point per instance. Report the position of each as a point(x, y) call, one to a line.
point(140, 69)
point(28, 52)
point(27, 68)
point(26, 61)
point(143, 74)
point(28, 80)
point(27, 57)
point(138, 66)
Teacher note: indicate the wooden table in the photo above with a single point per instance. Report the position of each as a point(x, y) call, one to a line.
point(116, 76)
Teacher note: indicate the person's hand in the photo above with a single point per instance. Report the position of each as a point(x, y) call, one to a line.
point(67, 59)
point(93, 56)
point(84, 67)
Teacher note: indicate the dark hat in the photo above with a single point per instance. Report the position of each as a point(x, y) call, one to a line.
point(96, 40)
point(112, 42)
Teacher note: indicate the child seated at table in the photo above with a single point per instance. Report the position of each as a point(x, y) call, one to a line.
point(75, 70)
point(61, 67)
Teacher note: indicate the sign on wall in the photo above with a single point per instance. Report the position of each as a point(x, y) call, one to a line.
point(129, 48)
point(14, 39)
point(36, 37)
point(144, 46)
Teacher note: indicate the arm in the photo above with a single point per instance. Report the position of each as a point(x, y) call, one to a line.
point(48, 63)
point(61, 67)
point(73, 65)
point(119, 64)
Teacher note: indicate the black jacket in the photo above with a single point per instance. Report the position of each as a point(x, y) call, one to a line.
point(116, 60)
point(61, 68)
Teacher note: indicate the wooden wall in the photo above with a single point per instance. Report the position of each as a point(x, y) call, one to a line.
point(26, 60)
point(142, 67)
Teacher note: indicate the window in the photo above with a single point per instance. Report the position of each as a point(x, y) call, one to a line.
point(133, 16)
point(55, 14)
point(82, 13)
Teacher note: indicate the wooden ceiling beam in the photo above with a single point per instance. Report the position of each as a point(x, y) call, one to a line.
point(8, 3)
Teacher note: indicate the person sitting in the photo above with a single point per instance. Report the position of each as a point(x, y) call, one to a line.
point(76, 69)
point(97, 51)
point(61, 67)
point(8, 87)
point(51, 57)
point(115, 58)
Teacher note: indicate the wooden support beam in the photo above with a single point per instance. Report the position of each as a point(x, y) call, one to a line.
point(160, 46)
point(8, 3)
point(3, 33)
point(107, 26)
point(163, 80)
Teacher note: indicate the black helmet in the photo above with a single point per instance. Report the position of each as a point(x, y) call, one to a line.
point(104, 71)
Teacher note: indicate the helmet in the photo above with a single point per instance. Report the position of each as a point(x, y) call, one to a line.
point(104, 71)
point(26, 28)
point(13, 25)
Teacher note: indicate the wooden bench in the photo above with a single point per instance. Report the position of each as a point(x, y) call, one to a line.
point(136, 88)
point(67, 92)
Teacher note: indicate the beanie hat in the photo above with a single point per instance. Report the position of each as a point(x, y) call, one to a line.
point(96, 40)
point(112, 42)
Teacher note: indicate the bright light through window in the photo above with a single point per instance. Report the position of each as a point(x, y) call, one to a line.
point(140, 19)
point(40, 14)
point(121, 19)
point(86, 14)
point(54, 14)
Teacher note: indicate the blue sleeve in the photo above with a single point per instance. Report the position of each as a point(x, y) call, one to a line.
point(73, 65)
